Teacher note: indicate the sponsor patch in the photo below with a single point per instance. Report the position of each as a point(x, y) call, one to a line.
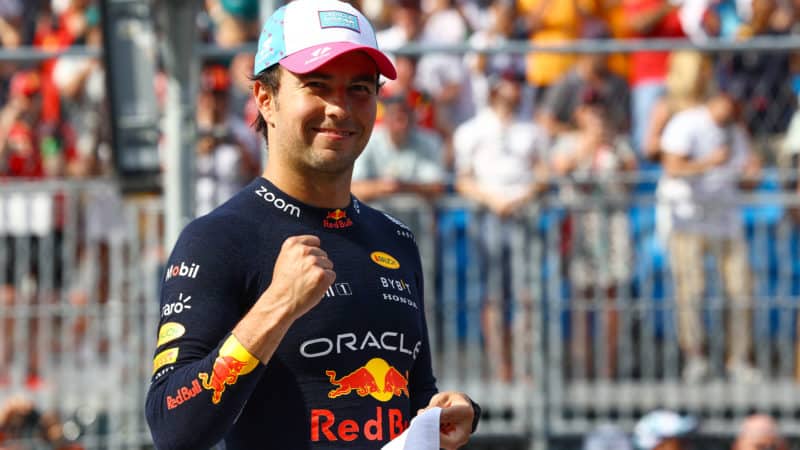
point(338, 19)
point(168, 356)
point(169, 332)
point(176, 307)
point(385, 260)
point(233, 361)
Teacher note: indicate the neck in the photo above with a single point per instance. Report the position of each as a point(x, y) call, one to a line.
point(318, 189)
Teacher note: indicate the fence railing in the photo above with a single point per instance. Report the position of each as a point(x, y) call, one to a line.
point(557, 319)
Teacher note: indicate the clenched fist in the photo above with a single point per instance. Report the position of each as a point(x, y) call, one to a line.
point(300, 278)
point(302, 274)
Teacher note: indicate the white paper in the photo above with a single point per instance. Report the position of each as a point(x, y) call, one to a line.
point(422, 433)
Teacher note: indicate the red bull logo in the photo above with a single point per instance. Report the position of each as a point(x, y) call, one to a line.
point(337, 219)
point(377, 379)
point(183, 394)
point(233, 361)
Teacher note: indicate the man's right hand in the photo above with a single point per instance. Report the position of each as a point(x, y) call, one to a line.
point(301, 276)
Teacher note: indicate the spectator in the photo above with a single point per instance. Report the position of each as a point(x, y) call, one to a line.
point(11, 25)
point(21, 132)
point(404, 86)
point(501, 30)
point(234, 22)
point(399, 158)
point(442, 76)
point(663, 430)
point(500, 166)
point(227, 150)
point(704, 153)
point(759, 432)
point(762, 81)
point(406, 25)
point(600, 256)
point(549, 22)
point(590, 72)
point(81, 83)
point(21, 423)
point(688, 84)
point(648, 69)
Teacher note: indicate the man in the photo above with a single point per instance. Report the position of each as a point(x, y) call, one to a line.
point(499, 166)
point(400, 157)
point(704, 153)
point(759, 432)
point(590, 72)
point(292, 315)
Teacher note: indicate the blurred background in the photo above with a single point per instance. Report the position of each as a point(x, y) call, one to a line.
point(604, 192)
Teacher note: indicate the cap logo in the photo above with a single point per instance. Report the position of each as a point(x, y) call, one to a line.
point(319, 53)
point(338, 19)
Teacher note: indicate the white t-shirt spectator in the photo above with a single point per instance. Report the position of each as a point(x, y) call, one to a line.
point(705, 204)
point(419, 160)
point(500, 157)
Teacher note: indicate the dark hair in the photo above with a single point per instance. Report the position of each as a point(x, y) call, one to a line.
point(269, 78)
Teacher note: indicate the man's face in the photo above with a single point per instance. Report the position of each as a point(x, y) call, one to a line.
point(397, 120)
point(322, 120)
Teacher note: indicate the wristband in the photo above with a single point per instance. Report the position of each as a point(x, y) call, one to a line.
point(476, 410)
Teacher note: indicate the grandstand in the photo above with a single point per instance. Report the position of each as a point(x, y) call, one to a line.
point(122, 120)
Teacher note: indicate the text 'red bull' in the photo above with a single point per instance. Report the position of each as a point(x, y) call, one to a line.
point(183, 394)
point(324, 426)
point(337, 219)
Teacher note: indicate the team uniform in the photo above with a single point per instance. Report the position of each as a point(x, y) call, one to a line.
point(349, 373)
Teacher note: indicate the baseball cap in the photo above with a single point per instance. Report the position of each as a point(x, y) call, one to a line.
point(305, 34)
point(657, 426)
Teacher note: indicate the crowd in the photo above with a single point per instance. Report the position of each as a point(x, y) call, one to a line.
point(667, 430)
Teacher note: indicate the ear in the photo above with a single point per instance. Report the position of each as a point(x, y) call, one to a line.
point(265, 101)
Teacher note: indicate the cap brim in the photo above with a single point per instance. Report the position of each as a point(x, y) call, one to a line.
point(309, 59)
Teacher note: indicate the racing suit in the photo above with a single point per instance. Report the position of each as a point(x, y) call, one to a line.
point(350, 373)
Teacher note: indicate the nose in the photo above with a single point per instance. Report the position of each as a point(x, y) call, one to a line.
point(338, 104)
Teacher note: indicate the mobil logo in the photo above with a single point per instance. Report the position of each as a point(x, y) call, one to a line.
point(182, 270)
point(376, 378)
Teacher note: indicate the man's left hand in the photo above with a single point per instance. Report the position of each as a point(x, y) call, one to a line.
point(456, 418)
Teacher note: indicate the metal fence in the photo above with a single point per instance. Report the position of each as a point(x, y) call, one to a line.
point(509, 324)
point(78, 271)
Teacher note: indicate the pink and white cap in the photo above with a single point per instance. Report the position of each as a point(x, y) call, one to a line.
point(305, 34)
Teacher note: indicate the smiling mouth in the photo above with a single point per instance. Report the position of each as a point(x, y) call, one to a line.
point(335, 132)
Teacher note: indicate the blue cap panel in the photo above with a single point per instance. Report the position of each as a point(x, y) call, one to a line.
point(271, 43)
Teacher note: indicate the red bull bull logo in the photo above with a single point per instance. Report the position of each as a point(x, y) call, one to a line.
point(233, 361)
point(337, 219)
point(377, 379)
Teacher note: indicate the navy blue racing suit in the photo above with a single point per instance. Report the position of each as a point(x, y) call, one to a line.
point(348, 374)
